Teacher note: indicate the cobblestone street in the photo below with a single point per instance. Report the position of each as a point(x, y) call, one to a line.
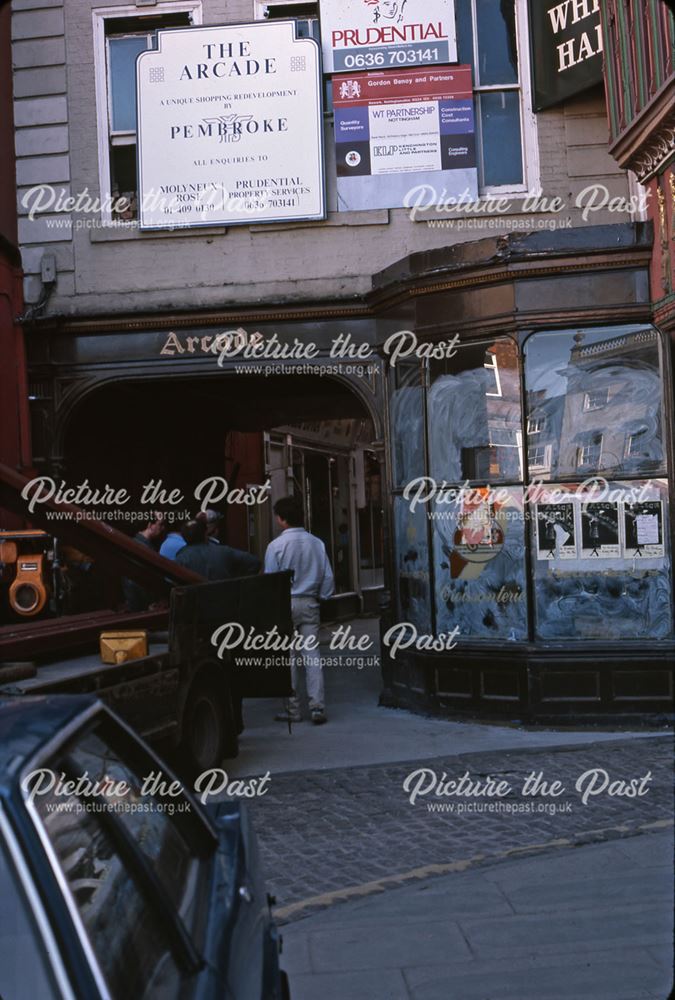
point(337, 824)
point(472, 896)
point(339, 830)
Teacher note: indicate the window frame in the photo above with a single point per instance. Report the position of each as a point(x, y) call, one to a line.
point(595, 442)
point(105, 137)
point(536, 425)
point(529, 136)
point(590, 406)
point(528, 120)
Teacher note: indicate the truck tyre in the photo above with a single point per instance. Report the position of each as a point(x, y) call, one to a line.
point(209, 733)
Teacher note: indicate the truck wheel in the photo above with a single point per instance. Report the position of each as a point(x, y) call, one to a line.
point(208, 729)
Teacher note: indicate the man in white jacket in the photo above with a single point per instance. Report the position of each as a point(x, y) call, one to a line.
point(305, 556)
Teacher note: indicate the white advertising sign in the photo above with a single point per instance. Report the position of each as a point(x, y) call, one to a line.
point(379, 35)
point(230, 127)
point(396, 133)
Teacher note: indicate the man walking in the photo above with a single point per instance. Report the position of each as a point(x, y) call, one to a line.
point(305, 556)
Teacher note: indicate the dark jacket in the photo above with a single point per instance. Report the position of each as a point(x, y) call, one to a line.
point(137, 598)
point(218, 562)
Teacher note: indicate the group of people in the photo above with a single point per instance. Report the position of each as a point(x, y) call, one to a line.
point(197, 547)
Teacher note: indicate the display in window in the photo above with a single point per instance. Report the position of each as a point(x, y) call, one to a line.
point(594, 401)
point(412, 566)
point(475, 415)
point(643, 526)
point(556, 531)
point(619, 586)
point(407, 422)
point(600, 531)
point(479, 569)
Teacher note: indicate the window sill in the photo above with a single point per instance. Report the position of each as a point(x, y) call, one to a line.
point(491, 206)
point(130, 231)
point(372, 217)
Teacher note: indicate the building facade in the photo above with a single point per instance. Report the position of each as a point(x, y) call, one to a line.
point(490, 330)
point(14, 421)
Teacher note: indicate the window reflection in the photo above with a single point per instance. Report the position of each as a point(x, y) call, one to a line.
point(497, 48)
point(407, 406)
point(594, 401)
point(474, 414)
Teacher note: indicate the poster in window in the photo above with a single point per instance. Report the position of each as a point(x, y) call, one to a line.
point(397, 133)
point(386, 34)
point(556, 531)
point(479, 564)
point(643, 528)
point(600, 531)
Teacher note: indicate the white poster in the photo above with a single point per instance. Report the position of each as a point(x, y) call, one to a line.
point(378, 34)
point(395, 132)
point(230, 127)
point(643, 528)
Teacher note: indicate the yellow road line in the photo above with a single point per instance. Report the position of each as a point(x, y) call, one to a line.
point(390, 881)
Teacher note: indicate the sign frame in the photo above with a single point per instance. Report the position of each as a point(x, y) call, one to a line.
point(253, 220)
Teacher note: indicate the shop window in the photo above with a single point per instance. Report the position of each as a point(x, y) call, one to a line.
point(479, 564)
point(407, 409)
point(474, 415)
point(412, 565)
point(597, 389)
point(600, 552)
point(120, 35)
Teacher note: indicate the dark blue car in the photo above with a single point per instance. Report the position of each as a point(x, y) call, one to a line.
point(110, 891)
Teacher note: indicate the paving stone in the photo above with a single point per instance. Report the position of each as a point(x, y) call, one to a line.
point(621, 890)
point(632, 976)
point(634, 926)
point(388, 985)
point(405, 943)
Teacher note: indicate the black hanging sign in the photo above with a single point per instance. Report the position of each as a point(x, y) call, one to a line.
point(566, 47)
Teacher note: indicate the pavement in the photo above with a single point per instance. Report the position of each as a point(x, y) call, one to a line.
point(360, 732)
point(392, 883)
point(593, 923)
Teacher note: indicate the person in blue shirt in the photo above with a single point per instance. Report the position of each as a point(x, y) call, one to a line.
point(312, 581)
point(173, 543)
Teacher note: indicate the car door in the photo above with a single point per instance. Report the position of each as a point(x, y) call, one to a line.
point(137, 860)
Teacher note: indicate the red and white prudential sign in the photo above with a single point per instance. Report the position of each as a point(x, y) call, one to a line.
point(387, 34)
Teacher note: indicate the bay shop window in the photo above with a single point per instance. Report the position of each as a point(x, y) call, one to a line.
point(530, 491)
